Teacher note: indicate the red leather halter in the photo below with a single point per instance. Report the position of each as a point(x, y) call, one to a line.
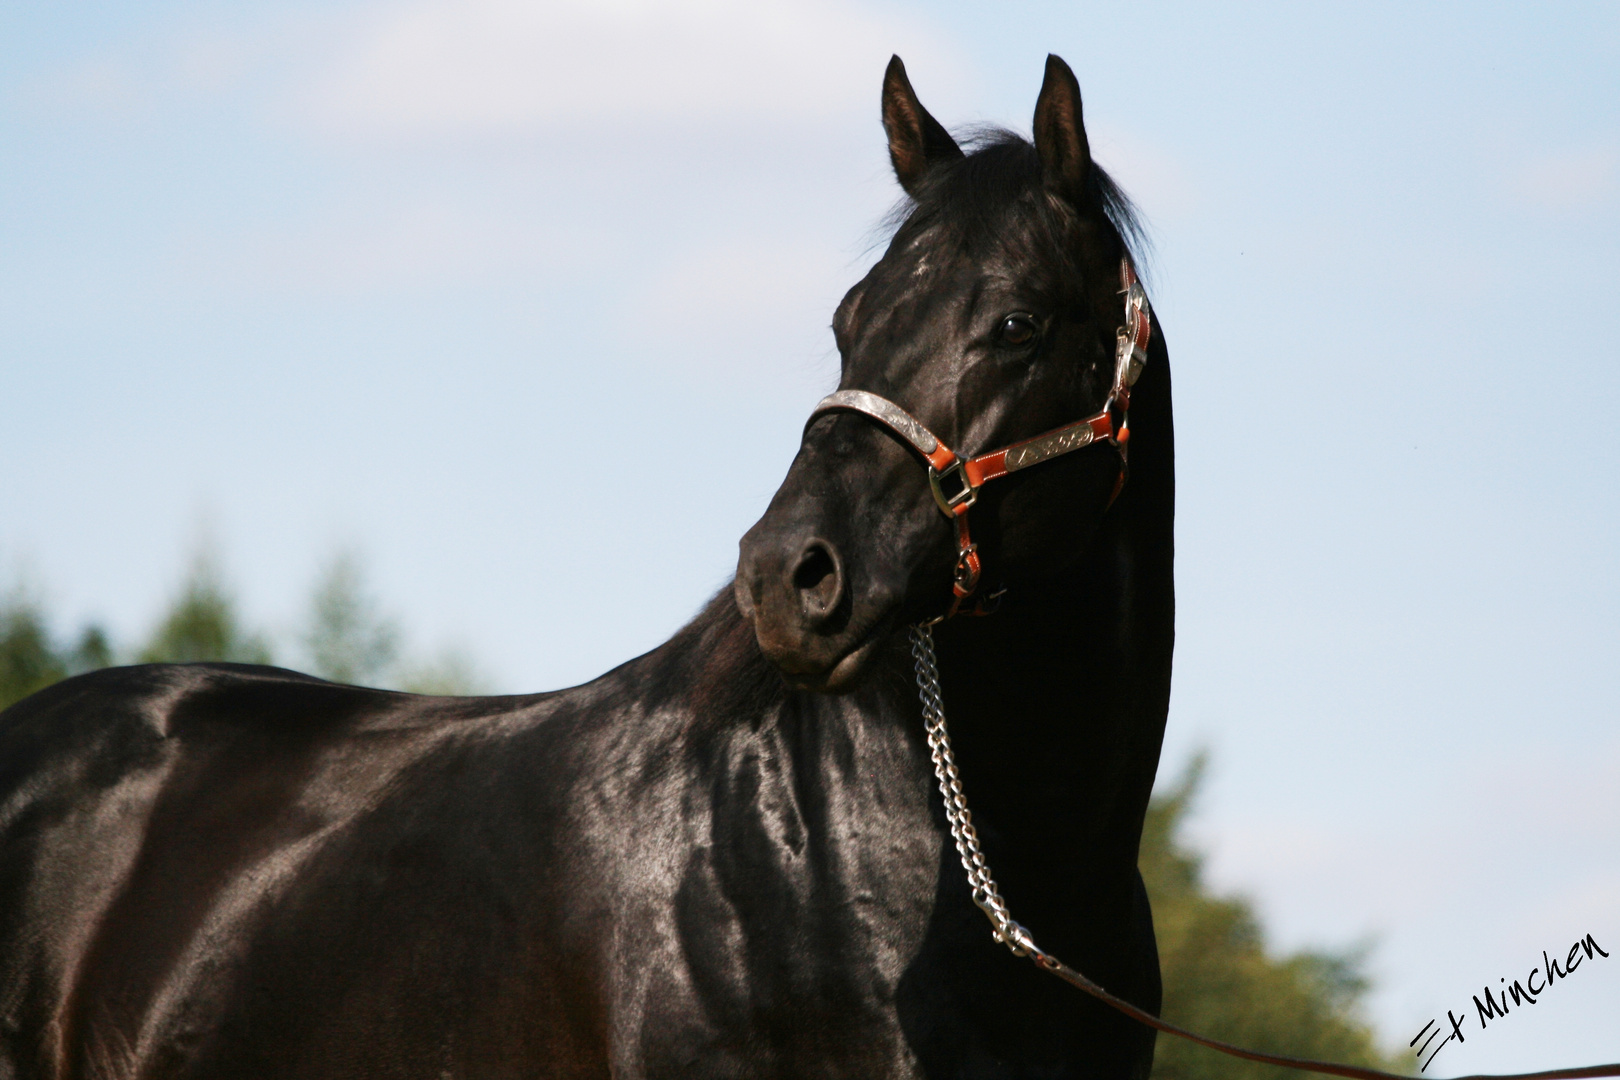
point(956, 480)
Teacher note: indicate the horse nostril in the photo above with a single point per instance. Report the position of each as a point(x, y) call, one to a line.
point(818, 578)
point(814, 567)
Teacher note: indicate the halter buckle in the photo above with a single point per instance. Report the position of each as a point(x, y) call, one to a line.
point(955, 502)
point(966, 574)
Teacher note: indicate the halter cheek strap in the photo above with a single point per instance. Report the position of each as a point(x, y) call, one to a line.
point(956, 480)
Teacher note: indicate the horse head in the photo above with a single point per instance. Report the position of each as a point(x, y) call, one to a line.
point(991, 318)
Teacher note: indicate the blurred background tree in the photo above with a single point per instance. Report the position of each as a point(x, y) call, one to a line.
point(1220, 979)
point(202, 623)
point(30, 660)
point(347, 637)
point(349, 641)
point(447, 672)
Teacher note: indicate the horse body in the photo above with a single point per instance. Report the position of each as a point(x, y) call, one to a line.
point(361, 883)
point(693, 865)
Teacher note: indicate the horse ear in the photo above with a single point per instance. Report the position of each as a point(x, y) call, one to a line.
point(917, 141)
point(1060, 132)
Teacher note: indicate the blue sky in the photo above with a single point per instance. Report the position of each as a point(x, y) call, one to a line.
point(527, 302)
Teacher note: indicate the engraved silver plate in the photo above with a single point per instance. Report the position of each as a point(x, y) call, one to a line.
point(1048, 446)
point(1124, 346)
point(882, 410)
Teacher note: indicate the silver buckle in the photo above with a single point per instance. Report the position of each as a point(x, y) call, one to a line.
point(964, 498)
point(1136, 296)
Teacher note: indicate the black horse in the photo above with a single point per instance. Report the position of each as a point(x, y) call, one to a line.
point(726, 858)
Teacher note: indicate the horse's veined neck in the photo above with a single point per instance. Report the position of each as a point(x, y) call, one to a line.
point(1069, 673)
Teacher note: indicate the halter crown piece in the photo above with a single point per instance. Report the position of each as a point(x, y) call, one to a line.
point(956, 480)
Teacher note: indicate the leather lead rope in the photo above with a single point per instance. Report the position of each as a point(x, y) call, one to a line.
point(1019, 941)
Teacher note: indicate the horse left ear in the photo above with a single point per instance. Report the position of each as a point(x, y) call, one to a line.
point(1060, 132)
point(917, 141)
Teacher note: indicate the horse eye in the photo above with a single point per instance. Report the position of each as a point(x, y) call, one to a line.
point(1018, 330)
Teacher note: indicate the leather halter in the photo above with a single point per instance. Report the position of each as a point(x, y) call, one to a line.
point(956, 480)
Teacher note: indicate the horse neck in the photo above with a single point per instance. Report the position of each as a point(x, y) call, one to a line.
point(1057, 702)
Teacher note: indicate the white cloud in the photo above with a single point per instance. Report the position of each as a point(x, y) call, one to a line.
point(494, 67)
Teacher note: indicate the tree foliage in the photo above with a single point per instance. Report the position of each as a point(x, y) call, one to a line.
point(1220, 980)
point(349, 641)
point(202, 624)
point(347, 638)
point(28, 659)
point(449, 672)
point(31, 660)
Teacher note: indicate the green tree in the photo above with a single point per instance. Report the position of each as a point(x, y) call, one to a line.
point(349, 640)
point(202, 623)
point(30, 660)
point(93, 651)
point(1221, 981)
point(450, 672)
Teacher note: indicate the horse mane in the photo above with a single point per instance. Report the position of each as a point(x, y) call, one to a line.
point(1001, 174)
point(715, 665)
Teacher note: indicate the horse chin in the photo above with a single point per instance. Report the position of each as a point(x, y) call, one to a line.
point(844, 675)
point(822, 663)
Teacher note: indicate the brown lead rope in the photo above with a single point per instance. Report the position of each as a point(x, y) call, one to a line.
point(1074, 978)
point(988, 898)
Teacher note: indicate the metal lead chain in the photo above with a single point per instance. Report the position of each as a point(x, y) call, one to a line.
point(957, 814)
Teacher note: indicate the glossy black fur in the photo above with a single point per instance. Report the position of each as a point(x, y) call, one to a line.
point(725, 858)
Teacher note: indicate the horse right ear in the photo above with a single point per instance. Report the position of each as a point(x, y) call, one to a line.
point(1060, 132)
point(917, 141)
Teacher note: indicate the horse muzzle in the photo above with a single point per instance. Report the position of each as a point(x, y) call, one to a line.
point(796, 586)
